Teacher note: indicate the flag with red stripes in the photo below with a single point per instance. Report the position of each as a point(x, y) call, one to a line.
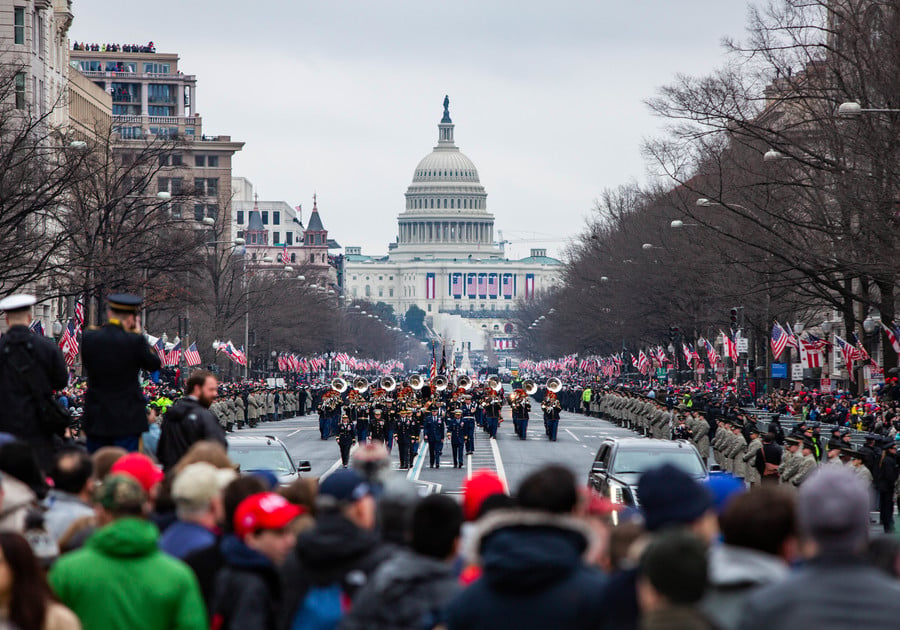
point(192, 356)
point(69, 344)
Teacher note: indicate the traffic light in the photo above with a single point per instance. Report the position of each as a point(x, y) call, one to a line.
point(734, 318)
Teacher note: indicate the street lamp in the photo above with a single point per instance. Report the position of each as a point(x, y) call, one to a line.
point(827, 326)
point(678, 224)
point(852, 109)
point(649, 246)
point(773, 156)
point(209, 221)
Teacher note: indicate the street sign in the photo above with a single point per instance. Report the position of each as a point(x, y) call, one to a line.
point(779, 370)
point(743, 344)
point(796, 371)
point(825, 384)
point(662, 373)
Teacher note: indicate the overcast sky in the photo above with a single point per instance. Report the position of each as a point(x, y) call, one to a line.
point(342, 98)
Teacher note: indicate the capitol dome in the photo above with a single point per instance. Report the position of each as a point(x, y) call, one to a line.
point(446, 205)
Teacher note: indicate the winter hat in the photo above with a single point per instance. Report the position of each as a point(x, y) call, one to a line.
point(121, 494)
point(833, 509)
point(669, 496)
point(481, 485)
point(675, 565)
point(198, 484)
point(140, 467)
point(265, 510)
point(344, 486)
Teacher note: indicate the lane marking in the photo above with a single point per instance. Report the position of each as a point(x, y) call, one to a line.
point(416, 470)
point(469, 466)
point(334, 467)
point(498, 463)
point(294, 432)
point(572, 434)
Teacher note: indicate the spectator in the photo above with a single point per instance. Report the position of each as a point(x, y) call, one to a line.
point(884, 554)
point(70, 498)
point(120, 579)
point(671, 582)
point(396, 503)
point(333, 560)
point(140, 468)
point(532, 561)
point(411, 589)
point(197, 493)
point(206, 563)
point(21, 477)
point(888, 472)
point(836, 588)
point(104, 459)
point(26, 601)
point(759, 543)
point(189, 420)
point(248, 592)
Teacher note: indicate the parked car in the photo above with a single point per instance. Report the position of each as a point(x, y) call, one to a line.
point(620, 462)
point(265, 453)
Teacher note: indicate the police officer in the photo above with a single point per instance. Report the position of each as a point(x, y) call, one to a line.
point(457, 439)
point(346, 436)
point(435, 427)
point(113, 356)
point(23, 351)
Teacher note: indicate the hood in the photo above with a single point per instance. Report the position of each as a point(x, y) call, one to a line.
point(407, 567)
point(526, 550)
point(179, 410)
point(333, 542)
point(125, 538)
point(237, 554)
point(731, 566)
point(16, 496)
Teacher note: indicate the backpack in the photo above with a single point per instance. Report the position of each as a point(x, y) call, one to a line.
point(321, 609)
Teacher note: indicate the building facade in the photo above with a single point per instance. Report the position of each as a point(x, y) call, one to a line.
point(445, 260)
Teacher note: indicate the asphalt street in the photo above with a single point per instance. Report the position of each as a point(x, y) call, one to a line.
point(513, 459)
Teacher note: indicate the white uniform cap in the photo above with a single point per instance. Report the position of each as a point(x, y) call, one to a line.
point(17, 302)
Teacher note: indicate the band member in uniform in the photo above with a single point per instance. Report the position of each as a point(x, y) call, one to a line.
point(468, 423)
point(435, 427)
point(346, 436)
point(520, 408)
point(390, 425)
point(457, 439)
point(376, 426)
point(115, 413)
point(551, 406)
point(493, 405)
point(404, 438)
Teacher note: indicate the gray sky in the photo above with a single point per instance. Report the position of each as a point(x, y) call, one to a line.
point(342, 98)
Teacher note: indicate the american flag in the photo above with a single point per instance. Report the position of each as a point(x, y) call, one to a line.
point(893, 335)
point(192, 356)
point(688, 356)
point(173, 356)
point(792, 338)
point(433, 373)
point(37, 327)
point(79, 315)
point(850, 353)
point(160, 348)
point(860, 349)
point(660, 356)
point(779, 340)
point(711, 353)
point(284, 254)
point(69, 344)
point(643, 362)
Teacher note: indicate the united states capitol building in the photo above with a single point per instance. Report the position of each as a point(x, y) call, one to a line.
point(445, 259)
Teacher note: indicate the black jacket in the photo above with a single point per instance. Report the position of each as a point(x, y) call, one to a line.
point(186, 422)
point(334, 551)
point(533, 576)
point(206, 564)
point(887, 474)
point(114, 404)
point(18, 410)
point(248, 591)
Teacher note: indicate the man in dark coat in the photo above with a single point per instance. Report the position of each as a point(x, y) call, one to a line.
point(113, 356)
point(189, 420)
point(22, 349)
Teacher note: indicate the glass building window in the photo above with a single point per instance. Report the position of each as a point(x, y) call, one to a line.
point(200, 160)
point(276, 217)
point(212, 186)
point(276, 238)
point(160, 93)
point(19, 25)
point(240, 217)
point(289, 238)
point(156, 68)
point(126, 92)
point(212, 161)
point(265, 217)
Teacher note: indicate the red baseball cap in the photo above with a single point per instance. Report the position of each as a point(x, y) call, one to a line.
point(141, 468)
point(480, 486)
point(265, 510)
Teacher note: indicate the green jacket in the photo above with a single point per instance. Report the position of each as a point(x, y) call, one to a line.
point(121, 581)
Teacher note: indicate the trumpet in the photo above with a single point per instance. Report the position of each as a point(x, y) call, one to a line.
point(361, 384)
point(530, 387)
point(416, 382)
point(494, 383)
point(441, 383)
point(464, 382)
point(554, 385)
point(388, 384)
point(339, 385)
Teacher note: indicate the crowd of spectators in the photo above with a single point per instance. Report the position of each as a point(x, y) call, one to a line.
point(128, 48)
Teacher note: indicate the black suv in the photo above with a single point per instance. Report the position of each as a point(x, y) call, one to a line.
point(620, 462)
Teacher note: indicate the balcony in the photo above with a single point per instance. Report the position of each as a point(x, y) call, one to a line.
point(139, 76)
point(191, 121)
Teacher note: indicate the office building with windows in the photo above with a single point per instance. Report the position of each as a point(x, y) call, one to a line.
point(445, 260)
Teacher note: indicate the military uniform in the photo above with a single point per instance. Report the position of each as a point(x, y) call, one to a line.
point(435, 428)
point(346, 436)
point(457, 439)
point(806, 465)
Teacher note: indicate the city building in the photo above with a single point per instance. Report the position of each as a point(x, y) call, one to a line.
point(445, 260)
point(90, 107)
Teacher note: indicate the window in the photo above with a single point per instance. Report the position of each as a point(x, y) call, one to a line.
point(312, 258)
point(293, 258)
point(380, 291)
point(240, 234)
point(200, 160)
point(390, 292)
point(19, 25)
point(126, 92)
point(162, 184)
point(429, 308)
point(212, 186)
point(276, 217)
point(156, 68)
point(200, 186)
point(39, 36)
point(289, 238)
point(199, 212)
point(212, 211)
point(212, 161)
point(276, 238)
point(177, 210)
point(160, 110)
point(390, 277)
point(240, 217)
point(381, 277)
point(160, 94)
point(368, 290)
point(265, 217)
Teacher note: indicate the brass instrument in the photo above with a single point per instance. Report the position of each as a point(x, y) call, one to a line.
point(554, 385)
point(339, 385)
point(441, 383)
point(464, 382)
point(530, 387)
point(361, 384)
point(416, 382)
point(494, 383)
point(388, 384)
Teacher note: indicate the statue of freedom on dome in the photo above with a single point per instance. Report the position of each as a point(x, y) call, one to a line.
point(446, 118)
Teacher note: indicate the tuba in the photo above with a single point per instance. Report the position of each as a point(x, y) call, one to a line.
point(339, 385)
point(388, 384)
point(494, 383)
point(530, 387)
point(554, 385)
point(361, 384)
point(464, 382)
point(416, 382)
point(441, 383)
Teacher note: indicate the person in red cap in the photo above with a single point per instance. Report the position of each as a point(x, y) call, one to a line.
point(141, 468)
point(248, 591)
